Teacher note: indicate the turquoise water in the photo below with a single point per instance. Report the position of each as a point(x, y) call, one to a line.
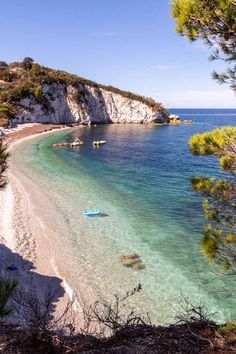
point(141, 180)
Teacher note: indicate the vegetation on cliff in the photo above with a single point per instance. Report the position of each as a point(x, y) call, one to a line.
point(20, 80)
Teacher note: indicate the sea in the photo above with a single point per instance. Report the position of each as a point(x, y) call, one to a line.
point(141, 181)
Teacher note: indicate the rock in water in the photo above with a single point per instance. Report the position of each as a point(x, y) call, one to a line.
point(132, 260)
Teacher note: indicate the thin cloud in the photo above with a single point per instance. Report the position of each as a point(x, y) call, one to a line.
point(105, 34)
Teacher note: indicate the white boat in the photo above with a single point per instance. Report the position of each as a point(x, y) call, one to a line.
point(77, 142)
point(99, 142)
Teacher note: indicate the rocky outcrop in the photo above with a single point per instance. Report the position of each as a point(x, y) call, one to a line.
point(174, 119)
point(84, 104)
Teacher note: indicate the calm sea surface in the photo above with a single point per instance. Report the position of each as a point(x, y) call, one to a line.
point(141, 180)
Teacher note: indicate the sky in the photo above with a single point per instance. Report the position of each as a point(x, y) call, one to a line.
point(130, 44)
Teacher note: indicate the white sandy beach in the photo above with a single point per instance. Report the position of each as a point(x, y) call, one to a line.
point(24, 241)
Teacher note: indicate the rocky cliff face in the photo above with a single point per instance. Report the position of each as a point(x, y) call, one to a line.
point(85, 104)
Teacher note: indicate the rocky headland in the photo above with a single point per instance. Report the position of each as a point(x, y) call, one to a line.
point(31, 93)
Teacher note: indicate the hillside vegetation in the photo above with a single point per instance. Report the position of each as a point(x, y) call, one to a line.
point(20, 80)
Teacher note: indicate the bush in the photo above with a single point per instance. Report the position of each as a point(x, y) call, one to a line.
point(36, 69)
point(5, 115)
point(7, 288)
point(27, 63)
point(3, 65)
point(5, 110)
point(4, 120)
point(17, 93)
point(38, 93)
point(7, 75)
point(37, 73)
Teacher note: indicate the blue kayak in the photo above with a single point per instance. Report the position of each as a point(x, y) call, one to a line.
point(92, 212)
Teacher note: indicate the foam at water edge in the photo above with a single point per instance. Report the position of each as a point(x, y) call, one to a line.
point(70, 292)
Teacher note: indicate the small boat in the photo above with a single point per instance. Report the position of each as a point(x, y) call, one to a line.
point(60, 145)
point(92, 212)
point(77, 142)
point(99, 142)
point(187, 121)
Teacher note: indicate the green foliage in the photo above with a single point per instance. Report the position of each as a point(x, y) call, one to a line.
point(36, 69)
point(38, 93)
point(219, 242)
point(7, 288)
point(5, 115)
point(27, 63)
point(5, 109)
point(7, 75)
point(219, 142)
point(228, 326)
point(17, 92)
point(214, 22)
point(228, 329)
point(3, 65)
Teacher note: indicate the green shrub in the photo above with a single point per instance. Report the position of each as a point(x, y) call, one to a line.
point(5, 109)
point(4, 120)
point(3, 65)
point(36, 69)
point(27, 63)
point(7, 75)
point(17, 92)
point(228, 329)
point(7, 288)
point(38, 93)
point(5, 115)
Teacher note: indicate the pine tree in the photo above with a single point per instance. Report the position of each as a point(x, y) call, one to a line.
point(219, 241)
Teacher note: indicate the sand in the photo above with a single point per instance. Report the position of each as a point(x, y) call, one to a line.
point(23, 239)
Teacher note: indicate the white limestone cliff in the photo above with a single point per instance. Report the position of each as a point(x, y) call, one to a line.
point(85, 105)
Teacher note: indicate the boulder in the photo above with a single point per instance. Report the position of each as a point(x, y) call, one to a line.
point(132, 260)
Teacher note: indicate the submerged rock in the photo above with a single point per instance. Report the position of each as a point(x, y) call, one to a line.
point(132, 260)
point(138, 265)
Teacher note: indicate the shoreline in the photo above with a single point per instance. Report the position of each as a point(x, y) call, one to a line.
point(34, 237)
point(55, 260)
point(39, 243)
point(23, 237)
point(22, 131)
